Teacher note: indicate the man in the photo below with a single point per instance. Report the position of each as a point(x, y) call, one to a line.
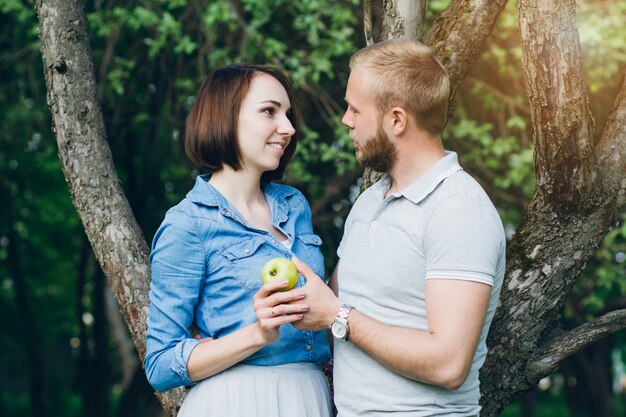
point(422, 256)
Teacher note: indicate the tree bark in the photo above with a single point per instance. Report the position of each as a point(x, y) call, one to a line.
point(88, 166)
point(611, 153)
point(576, 202)
point(367, 22)
point(403, 19)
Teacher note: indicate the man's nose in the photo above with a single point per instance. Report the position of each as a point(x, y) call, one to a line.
point(347, 120)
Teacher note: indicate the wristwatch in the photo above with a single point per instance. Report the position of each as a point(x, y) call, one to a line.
point(339, 328)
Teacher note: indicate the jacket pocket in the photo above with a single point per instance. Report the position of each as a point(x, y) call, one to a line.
point(310, 244)
point(243, 262)
point(241, 249)
point(310, 239)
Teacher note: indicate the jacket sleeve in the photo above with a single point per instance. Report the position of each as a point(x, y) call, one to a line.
point(178, 270)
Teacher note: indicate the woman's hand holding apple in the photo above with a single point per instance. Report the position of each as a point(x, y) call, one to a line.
point(272, 308)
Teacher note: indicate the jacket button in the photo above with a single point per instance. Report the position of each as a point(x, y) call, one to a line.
point(246, 250)
point(309, 347)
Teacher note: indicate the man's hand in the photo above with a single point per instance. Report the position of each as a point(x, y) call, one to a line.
point(322, 302)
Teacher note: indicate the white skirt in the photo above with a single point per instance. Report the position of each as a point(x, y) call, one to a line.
point(290, 390)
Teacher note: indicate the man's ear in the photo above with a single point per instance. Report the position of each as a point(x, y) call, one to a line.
point(399, 120)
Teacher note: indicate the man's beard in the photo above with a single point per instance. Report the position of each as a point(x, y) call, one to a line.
point(378, 153)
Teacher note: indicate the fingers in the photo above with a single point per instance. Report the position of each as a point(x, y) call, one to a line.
point(304, 269)
point(270, 319)
point(278, 307)
point(270, 288)
point(285, 309)
point(269, 326)
point(277, 315)
point(266, 297)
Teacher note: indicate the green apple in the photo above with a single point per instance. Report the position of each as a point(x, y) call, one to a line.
point(280, 269)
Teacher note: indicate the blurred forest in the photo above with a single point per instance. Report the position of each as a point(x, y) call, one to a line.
point(65, 350)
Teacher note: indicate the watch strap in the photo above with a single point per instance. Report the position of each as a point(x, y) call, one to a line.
point(342, 320)
point(343, 313)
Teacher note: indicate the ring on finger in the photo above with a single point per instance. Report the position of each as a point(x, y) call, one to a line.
point(273, 312)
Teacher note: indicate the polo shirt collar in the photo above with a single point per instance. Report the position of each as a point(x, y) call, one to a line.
point(427, 183)
point(205, 194)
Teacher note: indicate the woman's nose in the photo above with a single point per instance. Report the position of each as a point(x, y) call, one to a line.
point(286, 127)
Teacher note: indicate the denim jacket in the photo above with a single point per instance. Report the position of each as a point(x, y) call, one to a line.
point(206, 265)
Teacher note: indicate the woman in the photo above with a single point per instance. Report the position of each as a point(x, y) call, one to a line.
point(207, 258)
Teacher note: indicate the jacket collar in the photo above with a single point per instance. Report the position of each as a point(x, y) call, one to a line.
point(205, 194)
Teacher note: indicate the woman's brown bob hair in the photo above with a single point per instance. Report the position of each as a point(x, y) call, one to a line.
point(211, 137)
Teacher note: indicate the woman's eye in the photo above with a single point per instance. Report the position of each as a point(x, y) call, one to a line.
point(269, 111)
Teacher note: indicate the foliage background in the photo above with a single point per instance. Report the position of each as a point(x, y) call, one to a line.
point(64, 351)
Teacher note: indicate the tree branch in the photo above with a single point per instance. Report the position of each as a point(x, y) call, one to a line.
point(458, 36)
point(566, 344)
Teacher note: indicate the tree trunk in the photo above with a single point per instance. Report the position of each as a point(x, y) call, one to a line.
point(576, 202)
point(403, 19)
point(87, 164)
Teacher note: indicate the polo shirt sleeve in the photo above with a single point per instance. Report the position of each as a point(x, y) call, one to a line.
point(178, 268)
point(463, 239)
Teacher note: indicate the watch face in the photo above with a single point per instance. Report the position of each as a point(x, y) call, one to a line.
point(339, 330)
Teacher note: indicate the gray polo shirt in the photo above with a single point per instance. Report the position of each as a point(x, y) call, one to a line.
point(441, 226)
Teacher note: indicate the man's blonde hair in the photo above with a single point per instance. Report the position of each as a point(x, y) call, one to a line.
point(406, 74)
